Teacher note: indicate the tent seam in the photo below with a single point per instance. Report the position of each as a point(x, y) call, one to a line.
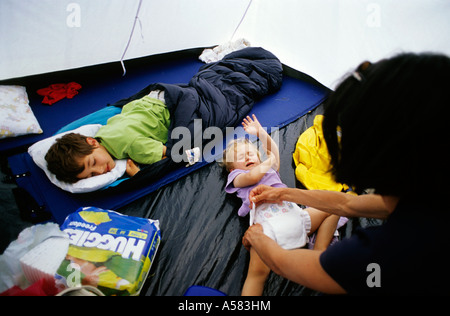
point(242, 19)
point(136, 18)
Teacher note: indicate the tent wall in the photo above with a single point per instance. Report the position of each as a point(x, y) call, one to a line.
point(323, 38)
point(40, 36)
point(327, 38)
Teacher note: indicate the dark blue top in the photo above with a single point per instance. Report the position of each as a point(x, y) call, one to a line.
point(406, 255)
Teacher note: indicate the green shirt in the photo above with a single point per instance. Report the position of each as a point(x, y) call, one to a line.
point(139, 132)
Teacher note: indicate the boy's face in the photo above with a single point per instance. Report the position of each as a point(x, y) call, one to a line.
point(97, 163)
point(245, 157)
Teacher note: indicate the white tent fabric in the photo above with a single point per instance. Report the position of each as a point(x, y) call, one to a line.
point(327, 38)
point(39, 36)
point(323, 38)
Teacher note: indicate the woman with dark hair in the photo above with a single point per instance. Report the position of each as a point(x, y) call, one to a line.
point(392, 122)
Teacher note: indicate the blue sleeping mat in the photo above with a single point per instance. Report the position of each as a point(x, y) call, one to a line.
point(101, 85)
point(295, 98)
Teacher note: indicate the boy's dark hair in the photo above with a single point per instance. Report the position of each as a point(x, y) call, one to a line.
point(393, 116)
point(64, 155)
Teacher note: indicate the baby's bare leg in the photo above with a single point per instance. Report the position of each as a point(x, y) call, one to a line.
point(325, 224)
point(325, 232)
point(256, 276)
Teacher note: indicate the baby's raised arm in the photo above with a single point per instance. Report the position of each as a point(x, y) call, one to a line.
point(253, 127)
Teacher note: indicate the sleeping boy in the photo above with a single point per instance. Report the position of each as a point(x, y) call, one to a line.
point(138, 134)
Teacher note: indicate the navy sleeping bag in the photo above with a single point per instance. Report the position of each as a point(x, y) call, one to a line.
point(219, 95)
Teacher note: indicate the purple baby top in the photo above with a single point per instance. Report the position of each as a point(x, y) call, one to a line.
point(271, 178)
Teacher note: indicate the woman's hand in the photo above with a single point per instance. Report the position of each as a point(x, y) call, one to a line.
point(252, 232)
point(265, 194)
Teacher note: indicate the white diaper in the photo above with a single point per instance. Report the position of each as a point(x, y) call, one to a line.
point(287, 224)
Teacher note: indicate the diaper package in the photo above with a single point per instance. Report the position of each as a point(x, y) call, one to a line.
point(108, 250)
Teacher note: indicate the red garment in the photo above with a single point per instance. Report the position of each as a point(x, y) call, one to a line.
point(59, 91)
point(43, 287)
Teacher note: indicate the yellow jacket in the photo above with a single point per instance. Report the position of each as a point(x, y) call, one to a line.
point(312, 160)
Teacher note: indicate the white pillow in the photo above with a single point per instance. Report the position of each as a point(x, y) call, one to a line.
point(16, 116)
point(40, 149)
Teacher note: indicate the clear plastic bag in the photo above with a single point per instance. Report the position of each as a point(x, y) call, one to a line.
point(11, 272)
